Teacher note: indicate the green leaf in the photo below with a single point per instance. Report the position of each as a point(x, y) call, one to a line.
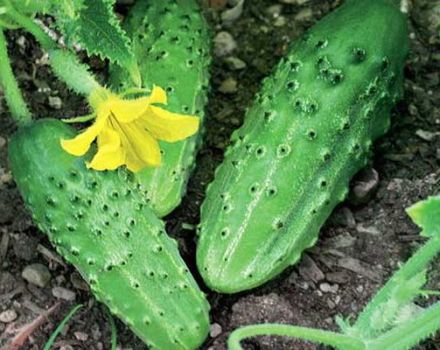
point(98, 30)
point(426, 214)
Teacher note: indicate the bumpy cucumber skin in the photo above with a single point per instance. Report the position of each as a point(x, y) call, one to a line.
point(308, 132)
point(105, 228)
point(171, 43)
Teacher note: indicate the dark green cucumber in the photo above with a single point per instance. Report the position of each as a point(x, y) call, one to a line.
point(171, 43)
point(101, 224)
point(308, 132)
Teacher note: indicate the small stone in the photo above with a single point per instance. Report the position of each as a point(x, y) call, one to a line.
point(228, 86)
point(66, 347)
point(81, 336)
point(309, 270)
point(63, 293)
point(230, 15)
point(55, 102)
point(8, 316)
point(328, 288)
point(427, 135)
point(331, 304)
point(235, 63)
point(304, 14)
point(78, 282)
point(344, 240)
point(2, 142)
point(364, 186)
point(215, 330)
point(274, 10)
point(438, 153)
point(368, 229)
point(339, 277)
point(280, 21)
point(359, 267)
point(294, 2)
point(21, 41)
point(6, 178)
point(37, 274)
point(224, 44)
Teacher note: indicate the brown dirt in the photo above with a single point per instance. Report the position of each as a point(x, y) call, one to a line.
point(370, 238)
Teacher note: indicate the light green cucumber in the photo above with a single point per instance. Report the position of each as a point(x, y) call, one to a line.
point(101, 223)
point(171, 43)
point(308, 132)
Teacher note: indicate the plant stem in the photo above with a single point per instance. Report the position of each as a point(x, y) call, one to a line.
point(17, 106)
point(27, 23)
point(63, 62)
point(410, 333)
point(60, 327)
point(340, 341)
point(416, 264)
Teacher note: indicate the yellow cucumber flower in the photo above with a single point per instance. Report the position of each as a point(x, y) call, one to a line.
point(128, 130)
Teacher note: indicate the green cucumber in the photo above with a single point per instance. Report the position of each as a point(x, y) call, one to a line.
point(171, 43)
point(308, 132)
point(101, 224)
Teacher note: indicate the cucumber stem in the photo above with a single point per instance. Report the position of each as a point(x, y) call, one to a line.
point(340, 341)
point(68, 68)
point(17, 106)
point(27, 23)
point(416, 264)
point(410, 333)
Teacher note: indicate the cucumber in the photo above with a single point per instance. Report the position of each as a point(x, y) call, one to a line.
point(101, 224)
point(171, 43)
point(308, 132)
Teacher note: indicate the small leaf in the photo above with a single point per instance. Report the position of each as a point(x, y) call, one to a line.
point(98, 30)
point(426, 214)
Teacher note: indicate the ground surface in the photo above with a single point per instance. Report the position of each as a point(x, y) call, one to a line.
point(358, 248)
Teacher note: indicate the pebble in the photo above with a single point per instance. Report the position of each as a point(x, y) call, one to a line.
point(55, 102)
point(339, 277)
point(234, 13)
point(328, 288)
point(372, 230)
point(66, 347)
point(36, 274)
point(280, 21)
point(309, 270)
point(6, 178)
point(224, 44)
point(2, 142)
point(215, 330)
point(81, 336)
point(427, 135)
point(438, 153)
point(228, 86)
point(8, 316)
point(78, 282)
point(235, 63)
point(63, 293)
point(364, 186)
point(304, 14)
point(294, 2)
point(274, 10)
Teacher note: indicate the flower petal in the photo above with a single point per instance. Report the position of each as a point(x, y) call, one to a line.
point(125, 111)
point(110, 153)
point(141, 148)
point(158, 95)
point(167, 126)
point(80, 144)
